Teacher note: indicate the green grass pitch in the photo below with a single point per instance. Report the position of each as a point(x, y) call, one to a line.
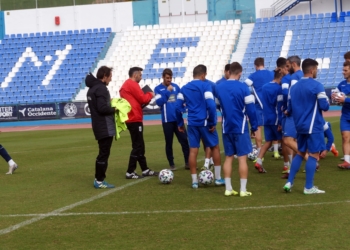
point(56, 170)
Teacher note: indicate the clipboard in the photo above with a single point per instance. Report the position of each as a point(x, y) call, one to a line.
point(146, 89)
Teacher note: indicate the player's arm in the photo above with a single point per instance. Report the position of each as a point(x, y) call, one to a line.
point(322, 98)
point(279, 106)
point(102, 104)
point(249, 102)
point(288, 112)
point(285, 89)
point(161, 97)
point(211, 106)
point(142, 98)
point(249, 81)
point(180, 100)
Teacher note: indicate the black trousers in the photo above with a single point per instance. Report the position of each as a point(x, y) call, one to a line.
point(138, 147)
point(169, 129)
point(104, 145)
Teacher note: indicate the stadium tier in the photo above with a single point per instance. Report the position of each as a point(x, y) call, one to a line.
point(307, 36)
point(48, 66)
point(51, 66)
point(179, 47)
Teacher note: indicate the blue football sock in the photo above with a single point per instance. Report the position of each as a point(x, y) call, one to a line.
point(310, 169)
point(4, 154)
point(294, 168)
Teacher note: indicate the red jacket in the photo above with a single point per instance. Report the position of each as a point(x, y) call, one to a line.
point(132, 92)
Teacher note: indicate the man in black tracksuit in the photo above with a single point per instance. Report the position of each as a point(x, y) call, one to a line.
point(102, 118)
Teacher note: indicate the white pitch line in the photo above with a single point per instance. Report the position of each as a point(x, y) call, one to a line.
point(176, 211)
point(60, 210)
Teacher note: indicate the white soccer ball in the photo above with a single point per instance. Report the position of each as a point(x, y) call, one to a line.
point(166, 176)
point(253, 155)
point(339, 94)
point(206, 177)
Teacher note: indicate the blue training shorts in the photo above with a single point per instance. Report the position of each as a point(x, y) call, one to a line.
point(313, 143)
point(344, 125)
point(271, 133)
point(195, 134)
point(237, 144)
point(289, 128)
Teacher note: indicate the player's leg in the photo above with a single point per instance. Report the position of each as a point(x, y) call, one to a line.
point(297, 161)
point(211, 140)
point(285, 152)
point(134, 136)
point(243, 147)
point(270, 135)
point(227, 174)
point(345, 132)
point(182, 139)
point(194, 137)
point(12, 165)
point(208, 161)
point(229, 147)
point(168, 130)
point(315, 143)
point(141, 150)
point(330, 137)
point(258, 138)
point(102, 163)
point(192, 161)
point(243, 174)
point(276, 153)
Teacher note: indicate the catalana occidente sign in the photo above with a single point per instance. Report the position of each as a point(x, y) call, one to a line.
point(37, 111)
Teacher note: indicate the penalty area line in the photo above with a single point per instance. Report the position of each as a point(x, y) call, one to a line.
point(60, 210)
point(38, 217)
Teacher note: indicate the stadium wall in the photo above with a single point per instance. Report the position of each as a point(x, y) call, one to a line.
point(182, 11)
point(118, 16)
point(232, 9)
point(266, 4)
point(145, 12)
point(2, 25)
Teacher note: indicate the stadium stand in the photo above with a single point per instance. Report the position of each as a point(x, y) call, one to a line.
point(179, 47)
point(49, 66)
point(314, 36)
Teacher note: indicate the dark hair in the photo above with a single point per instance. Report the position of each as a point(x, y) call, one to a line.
point(103, 71)
point(295, 59)
point(203, 67)
point(281, 62)
point(167, 72)
point(347, 55)
point(308, 64)
point(259, 61)
point(346, 64)
point(133, 70)
point(235, 68)
point(199, 70)
point(227, 67)
point(277, 74)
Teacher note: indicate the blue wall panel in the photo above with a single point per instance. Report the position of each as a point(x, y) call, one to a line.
point(145, 12)
point(231, 9)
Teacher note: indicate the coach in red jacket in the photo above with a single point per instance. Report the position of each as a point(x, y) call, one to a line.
point(132, 92)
